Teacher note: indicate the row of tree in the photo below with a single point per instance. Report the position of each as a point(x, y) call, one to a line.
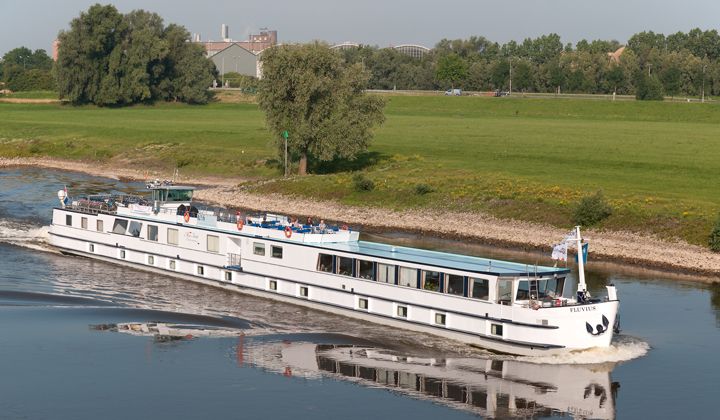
point(21, 69)
point(109, 58)
point(678, 64)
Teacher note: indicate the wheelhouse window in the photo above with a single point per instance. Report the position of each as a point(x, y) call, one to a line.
point(68, 220)
point(83, 222)
point(479, 288)
point(540, 289)
point(325, 263)
point(172, 236)
point(454, 284)
point(386, 273)
point(99, 225)
point(213, 243)
point(523, 292)
point(259, 248)
point(344, 266)
point(179, 195)
point(152, 233)
point(134, 229)
point(276, 251)
point(366, 269)
point(408, 277)
point(120, 226)
point(504, 295)
point(431, 281)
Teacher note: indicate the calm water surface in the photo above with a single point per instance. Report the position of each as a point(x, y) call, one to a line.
point(81, 339)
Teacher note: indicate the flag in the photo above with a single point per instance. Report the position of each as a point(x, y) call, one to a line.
point(559, 252)
point(584, 253)
point(571, 237)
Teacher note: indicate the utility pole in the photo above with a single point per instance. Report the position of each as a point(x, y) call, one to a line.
point(702, 100)
point(510, 61)
point(285, 135)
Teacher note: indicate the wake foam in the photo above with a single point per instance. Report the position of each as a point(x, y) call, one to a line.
point(25, 235)
point(622, 349)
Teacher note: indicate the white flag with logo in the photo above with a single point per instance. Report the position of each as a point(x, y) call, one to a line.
point(559, 252)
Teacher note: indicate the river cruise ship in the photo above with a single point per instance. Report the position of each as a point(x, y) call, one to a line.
point(498, 305)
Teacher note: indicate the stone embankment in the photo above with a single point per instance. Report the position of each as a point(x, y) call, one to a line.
point(626, 247)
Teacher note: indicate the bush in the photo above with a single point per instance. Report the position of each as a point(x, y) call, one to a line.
point(362, 184)
point(422, 189)
point(592, 209)
point(714, 240)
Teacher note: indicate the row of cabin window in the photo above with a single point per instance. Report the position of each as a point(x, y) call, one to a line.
point(405, 276)
point(120, 226)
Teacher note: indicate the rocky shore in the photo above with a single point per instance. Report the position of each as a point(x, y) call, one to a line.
point(625, 247)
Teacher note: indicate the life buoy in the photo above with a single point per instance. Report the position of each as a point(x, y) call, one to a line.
point(288, 231)
point(557, 302)
point(187, 216)
point(240, 224)
point(344, 227)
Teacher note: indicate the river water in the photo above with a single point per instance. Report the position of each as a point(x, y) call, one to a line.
point(82, 339)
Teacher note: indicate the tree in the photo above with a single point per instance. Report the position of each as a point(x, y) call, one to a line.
point(648, 88)
point(451, 69)
point(308, 91)
point(522, 76)
point(499, 74)
point(615, 76)
point(108, 58)
point(671, 80)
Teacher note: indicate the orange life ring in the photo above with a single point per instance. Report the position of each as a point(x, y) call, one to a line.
point(240, 224)
point(288, 231)
point(344, 227)
point(187, 216)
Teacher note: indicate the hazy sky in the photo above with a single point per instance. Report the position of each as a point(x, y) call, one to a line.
point(378, 22)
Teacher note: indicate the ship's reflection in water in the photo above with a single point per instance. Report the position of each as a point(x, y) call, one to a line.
point(488, 387)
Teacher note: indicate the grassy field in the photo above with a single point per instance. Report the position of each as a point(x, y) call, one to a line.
point(34, 94)
point(530, 159)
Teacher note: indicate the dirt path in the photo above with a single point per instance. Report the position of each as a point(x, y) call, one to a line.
point(29, 101)
point(636, 249)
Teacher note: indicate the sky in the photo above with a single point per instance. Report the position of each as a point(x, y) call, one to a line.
point(377, 22)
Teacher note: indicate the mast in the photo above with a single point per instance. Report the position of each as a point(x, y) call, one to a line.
point(582, 287)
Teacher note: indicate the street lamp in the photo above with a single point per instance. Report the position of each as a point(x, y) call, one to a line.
point(510, 61)
point(702, 100)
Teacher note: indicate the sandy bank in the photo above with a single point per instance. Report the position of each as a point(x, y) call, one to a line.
point(636, 249)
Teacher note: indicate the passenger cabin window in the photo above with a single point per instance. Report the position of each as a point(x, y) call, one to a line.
point(386, 273)
point(431, 281)
point(200, 270)
point(504, 295)
point(454, 284)
point(402, 311)
point(152, 233)
point(276, 251)
point(213, 243)
point(120, 226)
point(344, 266)
point(325, 263)
point(99, 225)
point(172, 236)
point(134, 229)
point(259, 248)
point(408, 277)
point(68, 220)
point(83, 222)
point(479, 288)
point(366, 269)
point(172, 264)
point(440, 319)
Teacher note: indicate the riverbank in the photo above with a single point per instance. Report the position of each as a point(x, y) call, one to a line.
point(625, 247)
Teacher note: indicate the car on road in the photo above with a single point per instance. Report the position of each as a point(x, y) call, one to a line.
point(453, 92)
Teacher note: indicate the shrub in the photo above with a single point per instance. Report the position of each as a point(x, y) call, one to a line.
point(362, 184)
point(592, 209)
point(422, 189)
point(714, 240)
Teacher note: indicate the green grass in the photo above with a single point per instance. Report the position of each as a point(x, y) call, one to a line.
point(35, 94)
point(531, 159)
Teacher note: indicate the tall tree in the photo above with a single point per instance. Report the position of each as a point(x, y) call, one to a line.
point(308, 91)
point(451, 69)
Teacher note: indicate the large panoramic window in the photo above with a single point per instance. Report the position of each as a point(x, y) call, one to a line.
point(120, 226)
point(134, 229)
point(366, 269)
point(172, 236)
point(325, 263)
point(479, 288)
point(504, 295)
point(152, 233)
point(386, 273)
point(344, 266)
point(431, 281)
point(408, 277)
point(213, 243)
point(454, 284)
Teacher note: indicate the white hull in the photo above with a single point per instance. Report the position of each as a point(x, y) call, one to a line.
point(295, 278)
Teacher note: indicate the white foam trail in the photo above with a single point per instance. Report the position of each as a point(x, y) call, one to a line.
point(25, 235)
point(622, 349)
